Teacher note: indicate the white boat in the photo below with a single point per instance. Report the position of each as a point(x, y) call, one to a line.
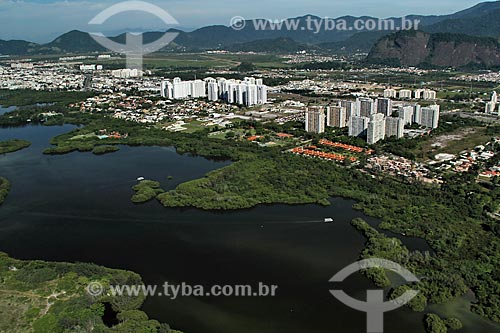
point(141, 179)
point(329, 220)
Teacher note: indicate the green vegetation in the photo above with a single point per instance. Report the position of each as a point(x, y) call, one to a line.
point(11, 146)
point(249, 182)
point(4, 189)
point(101, 150)
point(43, 297)
point(41, 107)
point(245, 67)
point(471, 131)
point(454, 218)
point(454, 324)
point(146, 190)
point(434, 324)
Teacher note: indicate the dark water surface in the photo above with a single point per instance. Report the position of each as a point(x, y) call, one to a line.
point(77, 207)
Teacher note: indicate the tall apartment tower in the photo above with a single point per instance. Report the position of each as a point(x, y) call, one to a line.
point(405, 94)
point(384, 106)
point(261, 93)
point(390, 93)
point(365, 107)
point(406, 113)
point(490, 107)
point(494, 97)
point(350, 109)
point(315, 119)
point(336, 116)
point(394, 127)
point(167, 89)
point(430, 116)
point(213, 91)
point(358, 126)
point(429, 94)
point(376, 128)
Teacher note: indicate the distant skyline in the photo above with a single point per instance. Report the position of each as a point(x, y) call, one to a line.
point(43, 20)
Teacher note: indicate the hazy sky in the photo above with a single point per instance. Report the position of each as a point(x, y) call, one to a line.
point(41, 20)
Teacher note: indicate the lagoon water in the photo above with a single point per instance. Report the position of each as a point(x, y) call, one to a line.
point(77, 207)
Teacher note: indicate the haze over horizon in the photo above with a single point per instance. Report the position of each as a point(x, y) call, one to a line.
point(43, 20)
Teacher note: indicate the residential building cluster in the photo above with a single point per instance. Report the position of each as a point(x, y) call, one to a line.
point(425, 94)
point(144, 110)
point(41, 76)
point(483, 77)
point(127, 73)
point(372, 119)
point(398, 166)
point(249, 92)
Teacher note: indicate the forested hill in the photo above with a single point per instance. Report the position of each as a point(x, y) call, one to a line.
point(418, 48)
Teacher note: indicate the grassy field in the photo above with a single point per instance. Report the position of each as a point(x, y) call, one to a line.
point(200, 61)
point(454, 142)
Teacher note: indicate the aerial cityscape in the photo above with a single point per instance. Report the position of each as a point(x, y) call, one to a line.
point(228, 170)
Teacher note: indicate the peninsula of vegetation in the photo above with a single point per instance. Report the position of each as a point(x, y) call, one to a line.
point(14, 145)
point(42, 297)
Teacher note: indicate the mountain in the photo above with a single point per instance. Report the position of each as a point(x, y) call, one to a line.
point(418, 48)
point(17, 47)
point(360, 42)
point(73, 42)
point(486, 25)
point(480, 20)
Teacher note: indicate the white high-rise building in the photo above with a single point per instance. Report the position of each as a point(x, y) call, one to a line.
point(250, 95)
point(376, 128)
point(213, 91)
point(358, 126)
point(384, 106)
point(406, 113)
point(394, 127)
point(167, 89)
point(417, 113)
point(198, 89)
point(365, 107)
point(336, 116)
point(430, 116)
point(390, 93)
point(429, 94)
point(405, 94)
point(240, 92)
point(494, 97)
point(419, 93)
point(261, 93)
point(315, 119)
point(249, 92)
point(350, 109)
point(490, 108)
point(250, 80)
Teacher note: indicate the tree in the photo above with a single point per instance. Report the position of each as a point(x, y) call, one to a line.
point(453, 323)
point(434, 324)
